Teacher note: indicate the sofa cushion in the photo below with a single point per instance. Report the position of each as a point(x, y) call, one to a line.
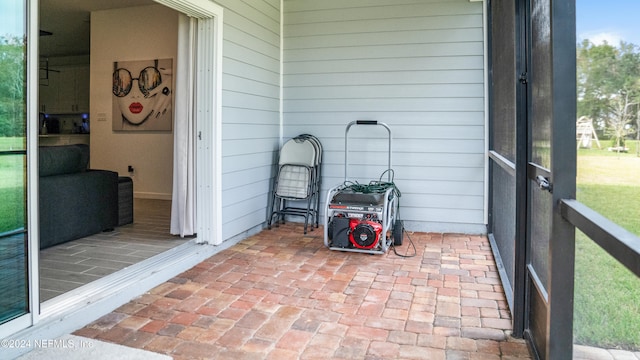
point(59, 160)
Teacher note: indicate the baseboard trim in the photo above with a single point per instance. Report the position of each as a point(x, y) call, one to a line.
point(150, 195)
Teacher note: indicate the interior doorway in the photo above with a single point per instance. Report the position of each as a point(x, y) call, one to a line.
point(153, 223)
point(69, 93)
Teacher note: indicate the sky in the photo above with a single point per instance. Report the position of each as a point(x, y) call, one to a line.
point(610, 20)
point(11, 17)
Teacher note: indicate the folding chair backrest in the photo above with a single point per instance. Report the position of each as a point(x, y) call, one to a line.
point(316, 143)
point(299, 152)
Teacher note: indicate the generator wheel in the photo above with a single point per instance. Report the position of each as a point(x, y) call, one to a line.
point(398, 232)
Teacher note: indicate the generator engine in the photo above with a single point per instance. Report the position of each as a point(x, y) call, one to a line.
point(364, 234)
point(362, 227)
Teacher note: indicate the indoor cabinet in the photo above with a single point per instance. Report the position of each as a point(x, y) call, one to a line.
point(67, 91)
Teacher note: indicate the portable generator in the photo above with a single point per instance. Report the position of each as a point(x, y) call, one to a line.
point(363, 218)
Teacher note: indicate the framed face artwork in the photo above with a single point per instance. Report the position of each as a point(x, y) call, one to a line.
point(143, 95)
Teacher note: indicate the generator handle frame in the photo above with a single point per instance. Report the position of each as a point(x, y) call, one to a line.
point(346, 143)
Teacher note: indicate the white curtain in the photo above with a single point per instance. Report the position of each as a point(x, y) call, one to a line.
point(183, 206)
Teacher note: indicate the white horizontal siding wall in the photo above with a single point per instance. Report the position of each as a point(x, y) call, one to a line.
point(250, 110)
point(416, 65)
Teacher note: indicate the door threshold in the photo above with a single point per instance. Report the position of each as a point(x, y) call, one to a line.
point(121, 281)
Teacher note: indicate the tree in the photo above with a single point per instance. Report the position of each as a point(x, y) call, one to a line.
point(12, 86)
point(620, 117)
point(593, 74)
point(609, 86)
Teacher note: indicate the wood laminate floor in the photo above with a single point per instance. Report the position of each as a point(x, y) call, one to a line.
point(70, 265)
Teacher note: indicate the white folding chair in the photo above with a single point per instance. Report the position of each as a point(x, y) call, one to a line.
point(296, 180)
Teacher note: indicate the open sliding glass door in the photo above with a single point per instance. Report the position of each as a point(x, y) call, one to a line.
point(16, 248)
point(19, 119)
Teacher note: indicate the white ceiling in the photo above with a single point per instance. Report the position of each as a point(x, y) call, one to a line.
point(69, 23)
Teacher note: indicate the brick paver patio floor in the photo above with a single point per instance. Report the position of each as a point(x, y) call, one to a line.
point(283, 295)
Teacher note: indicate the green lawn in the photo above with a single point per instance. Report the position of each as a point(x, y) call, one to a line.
point(11, 143)
point(607, 295)
point(12, 171)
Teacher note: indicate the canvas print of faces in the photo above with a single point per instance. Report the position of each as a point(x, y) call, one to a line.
point(143, 95)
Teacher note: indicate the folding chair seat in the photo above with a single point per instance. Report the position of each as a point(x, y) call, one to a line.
point(294, 182)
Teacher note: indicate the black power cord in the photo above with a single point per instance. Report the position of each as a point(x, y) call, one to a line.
point(405, 255)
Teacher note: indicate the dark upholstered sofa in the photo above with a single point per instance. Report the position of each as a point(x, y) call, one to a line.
point(74, 201)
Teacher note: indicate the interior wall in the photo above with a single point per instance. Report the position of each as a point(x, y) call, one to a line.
point(138, 33)
point(416, 65)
